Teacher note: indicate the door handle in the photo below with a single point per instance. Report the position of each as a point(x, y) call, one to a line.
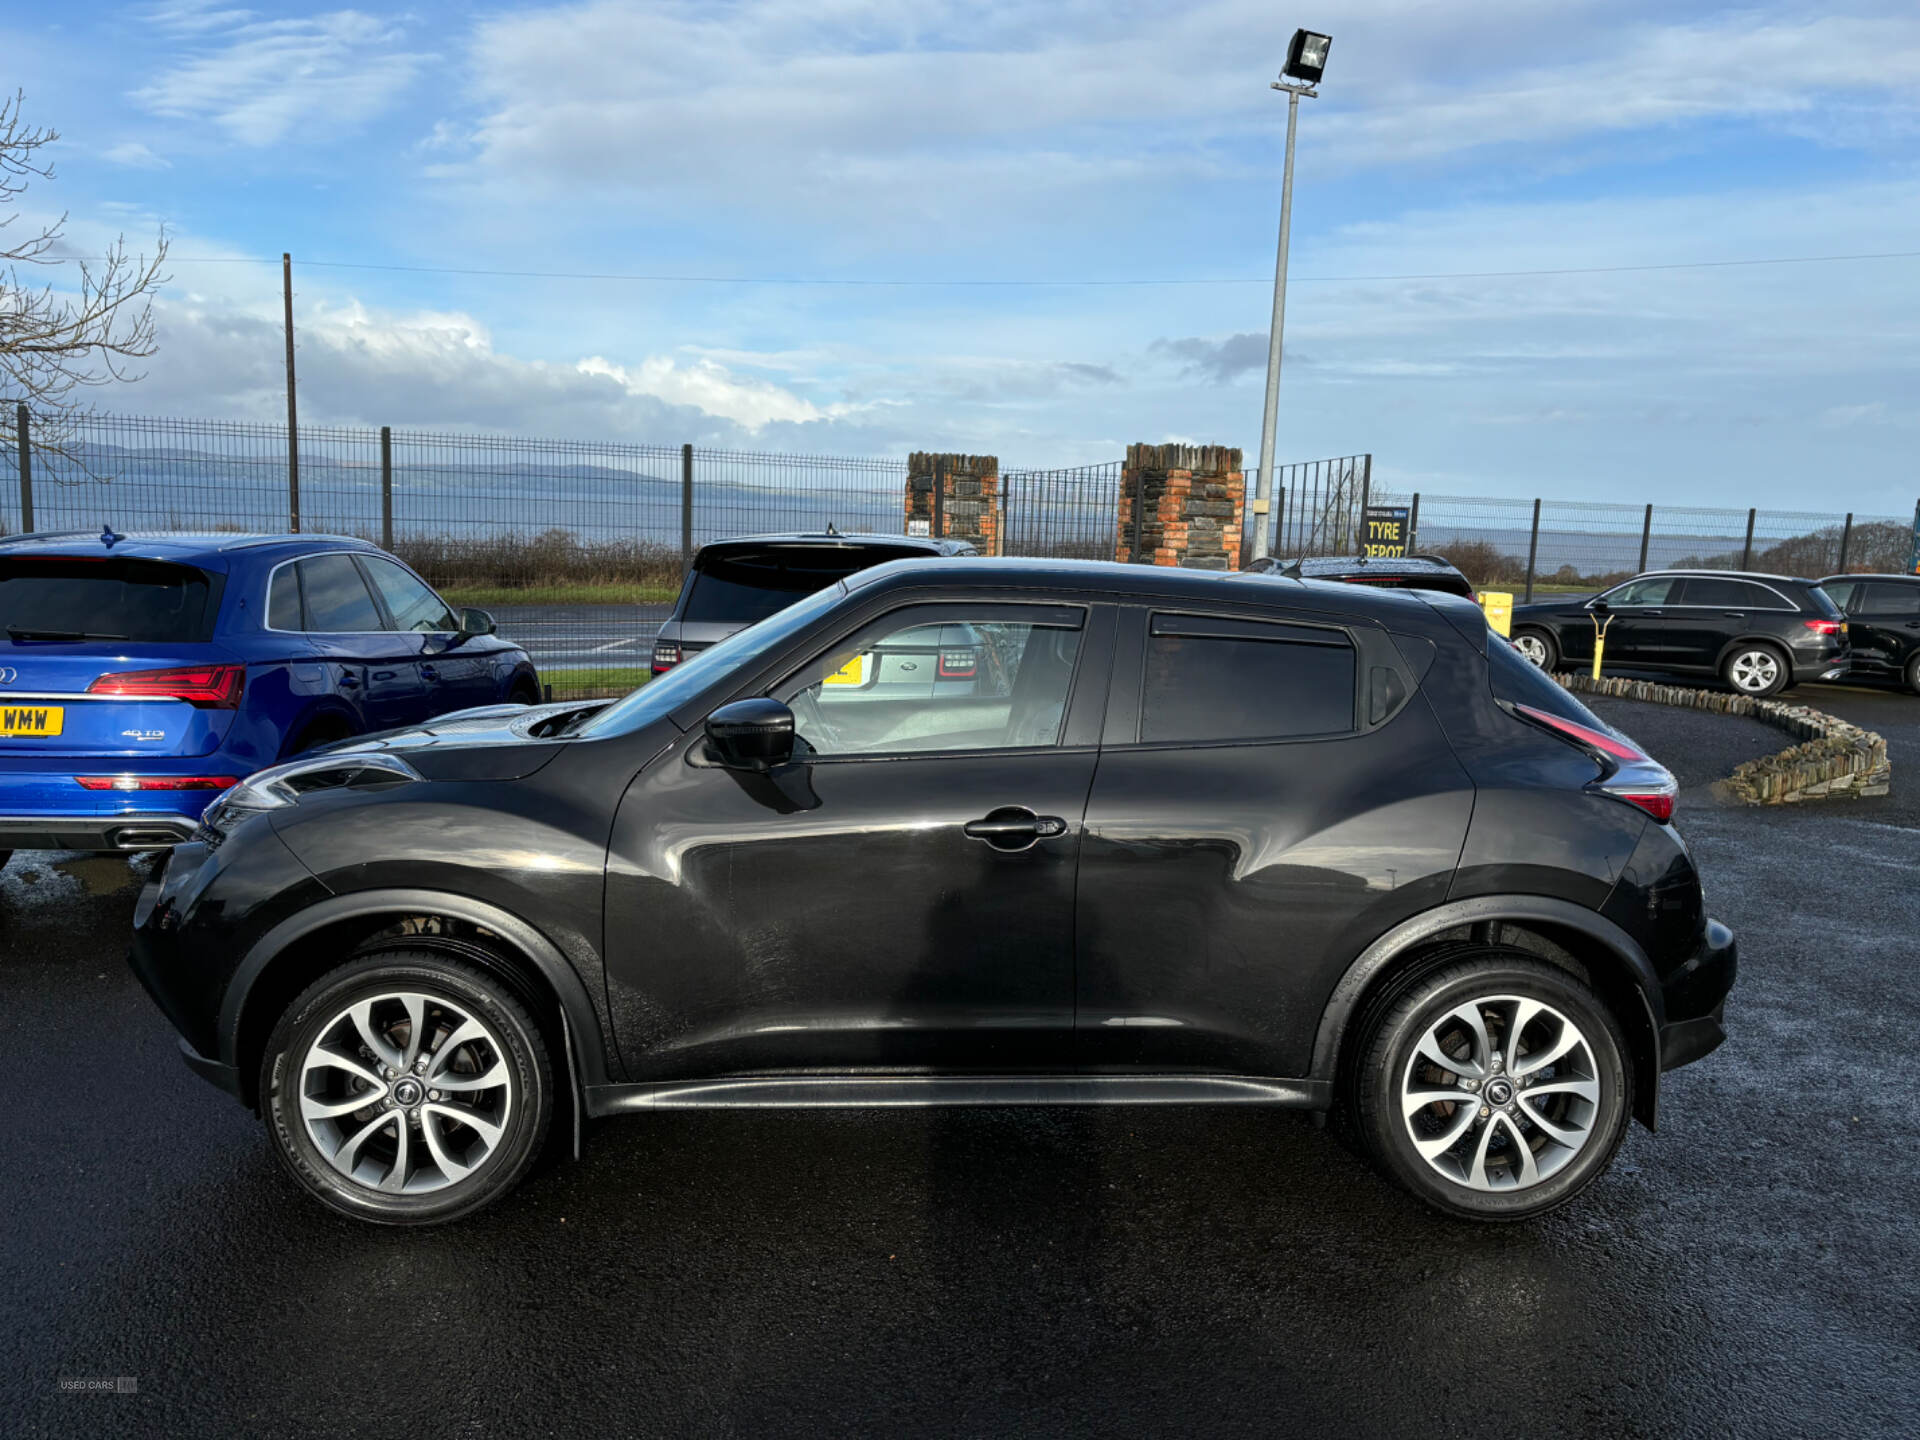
point(1734, 614)
point(1913, 624)
point(429, 673)
point(1014, 828)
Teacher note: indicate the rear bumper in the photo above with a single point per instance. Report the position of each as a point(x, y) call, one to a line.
point(128, 830)
point(1696, 997)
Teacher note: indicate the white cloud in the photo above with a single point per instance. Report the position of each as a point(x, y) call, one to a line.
point(263, 81)
point(136, 156)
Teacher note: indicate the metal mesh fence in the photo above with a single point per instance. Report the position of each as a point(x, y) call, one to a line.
point(1069, 514)
point(578, 547)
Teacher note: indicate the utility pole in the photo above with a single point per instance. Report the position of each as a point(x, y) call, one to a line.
point(293, 413)
point(1270, 421)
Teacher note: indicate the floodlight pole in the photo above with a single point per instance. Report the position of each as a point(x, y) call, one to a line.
point(1270, 421)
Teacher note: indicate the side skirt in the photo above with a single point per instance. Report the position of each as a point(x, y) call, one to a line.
point(815, 1091)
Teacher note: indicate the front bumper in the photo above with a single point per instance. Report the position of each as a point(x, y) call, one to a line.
point(128, 830)
point(1696, 997)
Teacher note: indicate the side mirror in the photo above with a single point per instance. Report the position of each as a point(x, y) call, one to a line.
point(754, 734)
point(475, 622)
point(1598, 602)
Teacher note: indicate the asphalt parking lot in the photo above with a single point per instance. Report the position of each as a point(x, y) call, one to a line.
point(1751, 1270)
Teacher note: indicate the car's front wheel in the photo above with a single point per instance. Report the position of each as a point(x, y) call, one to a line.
point(1494, 1086)
point(1913, 673)
point(1757, 670)
point(1538, 648)
point(407, 1088)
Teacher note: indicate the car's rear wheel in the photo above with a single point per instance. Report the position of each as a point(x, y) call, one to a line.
point(407, 1088)
point(1538, 647)
point(1757, 670)
point(1493, 1086)
point(1913, 673)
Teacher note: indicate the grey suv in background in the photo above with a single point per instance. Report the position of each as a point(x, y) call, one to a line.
point(734, 583)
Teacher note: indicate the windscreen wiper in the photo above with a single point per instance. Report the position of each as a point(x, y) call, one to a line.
point(16, 632)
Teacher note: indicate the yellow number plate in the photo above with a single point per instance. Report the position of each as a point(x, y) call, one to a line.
point(854, 672)
point(32, 719)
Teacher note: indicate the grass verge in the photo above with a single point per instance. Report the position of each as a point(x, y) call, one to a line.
point(615, 593)
point(595, 681)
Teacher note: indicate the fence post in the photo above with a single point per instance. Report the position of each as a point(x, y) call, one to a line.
point(1533, 551)
point(1280, 526)
point(686, 508)
point(1846, 541)
point(386, 487)
point(1413, 523)
point(1646, 536)
point(26, 469)
point(1746, 555)
point(1366, 491)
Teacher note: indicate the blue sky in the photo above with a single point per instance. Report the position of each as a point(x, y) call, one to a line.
point(923, 140)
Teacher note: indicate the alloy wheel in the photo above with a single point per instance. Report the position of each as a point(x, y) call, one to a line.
point(406, 1093)
point(1532, 648)
point(1755, 672)
point(1500, 1093)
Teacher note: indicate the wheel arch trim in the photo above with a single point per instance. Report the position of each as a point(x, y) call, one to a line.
point(1344, 1003)
point(582, 1034)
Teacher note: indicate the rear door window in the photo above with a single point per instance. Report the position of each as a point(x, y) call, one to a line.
point(337, 598)
point(53, 598)
point(1210, 679)
point(1902, 601)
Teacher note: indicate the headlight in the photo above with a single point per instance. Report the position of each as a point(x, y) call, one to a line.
point(279, 786)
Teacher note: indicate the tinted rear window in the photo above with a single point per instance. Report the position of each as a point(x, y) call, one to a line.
point(740, 587)
point(1899, 600)
point(1227, 686)
point(145, 600)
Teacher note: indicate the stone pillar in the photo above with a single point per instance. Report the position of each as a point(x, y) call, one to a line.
point(955, 497)
point(1191, 500)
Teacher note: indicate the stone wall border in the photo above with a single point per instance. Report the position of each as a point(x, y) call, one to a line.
point(1835, 759)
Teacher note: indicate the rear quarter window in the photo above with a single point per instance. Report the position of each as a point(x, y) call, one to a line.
point(145, 600)
point(1517, 681)
point(1267, 682)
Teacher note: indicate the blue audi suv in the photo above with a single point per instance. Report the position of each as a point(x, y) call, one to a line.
point(141, 675)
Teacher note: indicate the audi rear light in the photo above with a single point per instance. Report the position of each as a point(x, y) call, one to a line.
point(157, 782)
point(666, 655)
point(958, 664)
point(209, 687)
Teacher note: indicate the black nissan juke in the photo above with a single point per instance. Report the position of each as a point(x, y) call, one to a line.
point(1189, 838)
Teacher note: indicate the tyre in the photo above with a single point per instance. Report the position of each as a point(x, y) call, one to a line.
point(524, 694)
point(320, 732)
point(1757, 670)
point(1493, 1086)
point(407, 1088)
point(1913, 673)
point(1538, 646)
point(5, 856)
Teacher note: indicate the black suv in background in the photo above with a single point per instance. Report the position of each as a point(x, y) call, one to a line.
point(1217, 839)
point(734, 583)
point(1883, 622)
point(1409, 572)
point(1758, 633)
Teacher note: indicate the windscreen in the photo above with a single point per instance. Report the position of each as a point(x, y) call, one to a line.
point(80, 598)
point(738, 587)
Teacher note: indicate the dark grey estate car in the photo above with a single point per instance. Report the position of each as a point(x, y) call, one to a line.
point(1758, 633)
point(1883, 622)
point(735, 583)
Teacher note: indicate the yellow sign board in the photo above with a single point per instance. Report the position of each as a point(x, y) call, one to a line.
point(854, 672)
point(1499, 607)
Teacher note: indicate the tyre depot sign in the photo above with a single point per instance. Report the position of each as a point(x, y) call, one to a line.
point(1384, 532)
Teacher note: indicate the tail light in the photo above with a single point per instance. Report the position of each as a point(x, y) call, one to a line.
point(1826, 627)
point(958, 664)
point(210, 687)
point(157, 782)
point(1632, 775)
point(666, 655)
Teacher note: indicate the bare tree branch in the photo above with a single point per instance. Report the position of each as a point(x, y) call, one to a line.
point(57, 341)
